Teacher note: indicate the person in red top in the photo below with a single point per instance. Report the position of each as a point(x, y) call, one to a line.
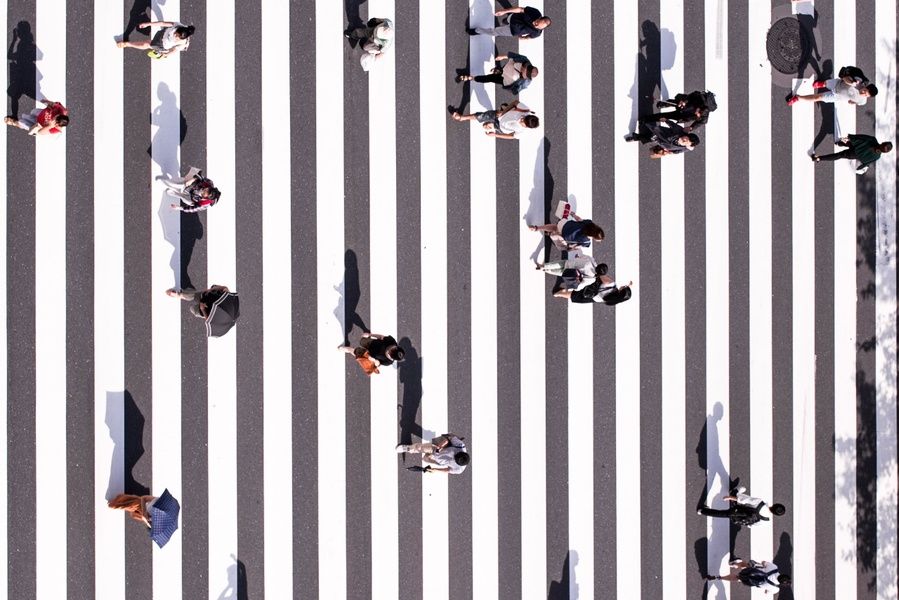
point(51, 119)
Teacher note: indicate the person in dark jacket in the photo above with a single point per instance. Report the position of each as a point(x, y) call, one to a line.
point(514, 74)
point(201, 301)
point(744, 509)
point(669, 138)
point(690, 110)
point(863, 148)
point(603, 290)
point(524, 22)
point(383, 348)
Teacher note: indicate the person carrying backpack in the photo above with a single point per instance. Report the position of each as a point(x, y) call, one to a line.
point(763, 575)
point(744, 509)
point(194, 191)
point(690, 110)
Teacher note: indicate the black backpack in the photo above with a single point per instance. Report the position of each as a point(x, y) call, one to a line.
point(708, 98)
point(746, 515)
point(754, 576)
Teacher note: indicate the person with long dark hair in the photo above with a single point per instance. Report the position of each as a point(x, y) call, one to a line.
point(571, 232)
point(170, 38)
point(604, 290)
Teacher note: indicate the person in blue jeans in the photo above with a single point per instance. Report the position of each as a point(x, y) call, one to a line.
point(523, 22)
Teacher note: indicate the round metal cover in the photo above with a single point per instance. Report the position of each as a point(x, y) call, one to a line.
point(788, 45)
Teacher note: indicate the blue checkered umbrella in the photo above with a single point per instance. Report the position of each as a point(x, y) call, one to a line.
point(164, 518)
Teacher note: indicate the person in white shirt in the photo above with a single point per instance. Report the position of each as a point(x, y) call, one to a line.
point(764, 575)
point(505, 121)
point(444, 454)
point(837, 90)
point(172, 37)
point(744, 509)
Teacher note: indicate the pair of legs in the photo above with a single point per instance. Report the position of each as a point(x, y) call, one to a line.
point(494, 77)
point(419, 448)
point(735, 567)
point(487, 118)
point(849, 154)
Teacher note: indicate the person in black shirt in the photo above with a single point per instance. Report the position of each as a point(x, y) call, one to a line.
point(383, 348)
point(524, 23)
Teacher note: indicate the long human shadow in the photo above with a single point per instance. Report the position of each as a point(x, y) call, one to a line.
point(237, 582)
point(23, 74)
point(566, 588)
point(139, 13)
point(354, 12)
point(480, 12)
point(783, 558)
point(827, 111)
point(541, 198)
point(164, 152)
point(350, 294)
point(648, 72)
point(191, 233)
point(712, 550)
point(410, 377)
point(808, 23)
point(126, 429)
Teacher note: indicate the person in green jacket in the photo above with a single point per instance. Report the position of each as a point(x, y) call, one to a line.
point(863, 148)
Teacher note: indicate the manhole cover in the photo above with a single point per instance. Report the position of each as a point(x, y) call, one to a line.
point(788, 45)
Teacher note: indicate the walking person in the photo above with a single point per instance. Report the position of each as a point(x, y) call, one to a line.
point(571, 232)
point(837, 90)
point(523, 22)
point(382, 348)
point(504, 122)
point(42, 121)
point(576, 270)
point(515, 73)
point(744, 509)
point(172, 37)
point(159, 514)
point(193, 191)
point(201, 301)
point(690, 110)
point(373, 351)
point(444, 454)
point(670, 138)
point(603, 290)
point(376, 38)
point(763, 575)
point(863, 148)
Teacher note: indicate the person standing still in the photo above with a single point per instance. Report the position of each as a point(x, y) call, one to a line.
point(523, 22)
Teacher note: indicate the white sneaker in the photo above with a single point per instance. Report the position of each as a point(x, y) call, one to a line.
point(401, 448)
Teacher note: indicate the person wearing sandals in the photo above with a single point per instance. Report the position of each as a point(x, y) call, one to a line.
point(194, 191)
point(863, 148)
point(505, 122)
point(571, 232)
point(172, 37)
point(514, 74)
point(42, 121)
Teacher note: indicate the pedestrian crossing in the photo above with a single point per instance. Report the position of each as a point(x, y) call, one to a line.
point(760, 343)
